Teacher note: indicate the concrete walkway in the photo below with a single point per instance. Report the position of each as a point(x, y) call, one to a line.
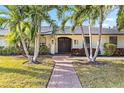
point(64, 75)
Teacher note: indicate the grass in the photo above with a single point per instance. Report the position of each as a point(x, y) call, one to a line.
point(15, 74)
point(110, 75)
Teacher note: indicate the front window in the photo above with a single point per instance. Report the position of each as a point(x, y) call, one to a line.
point(87, 40)
point(113, 40)
point(76, 42)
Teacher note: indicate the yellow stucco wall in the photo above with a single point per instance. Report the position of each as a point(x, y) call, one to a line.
point(104, 39)
point(120, 43)
point(55, 38)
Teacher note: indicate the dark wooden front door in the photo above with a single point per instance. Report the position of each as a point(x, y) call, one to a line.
point(64, 45)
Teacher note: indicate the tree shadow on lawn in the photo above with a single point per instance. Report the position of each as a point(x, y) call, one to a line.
point(39, 69)
point(25, 72)
point(100, 63)
point(41, 60)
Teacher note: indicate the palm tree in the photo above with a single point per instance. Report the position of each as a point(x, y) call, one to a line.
point(75, 12)
point(34, 15)
point(14, 19)
point(39, 14)
point(91, 14)
point(79, 14)
point(13, 38)
point(103, 12)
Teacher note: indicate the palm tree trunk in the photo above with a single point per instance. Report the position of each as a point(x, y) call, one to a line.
point(85, 46)
point(28, 45)
point(99, 38)
point(24, 45)
point(37, 44)
point(90, 36)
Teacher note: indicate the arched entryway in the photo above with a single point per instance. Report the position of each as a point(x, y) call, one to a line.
point(64, 45)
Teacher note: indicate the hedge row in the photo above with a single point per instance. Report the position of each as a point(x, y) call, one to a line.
point(119, 52)
point(81, 52)
point(45, 50)
point(17, 51)
point(10, 51)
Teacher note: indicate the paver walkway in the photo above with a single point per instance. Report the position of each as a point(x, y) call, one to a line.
point(64, 75)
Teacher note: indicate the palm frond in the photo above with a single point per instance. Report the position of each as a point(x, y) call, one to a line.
point(120, 18)
point(67, 18)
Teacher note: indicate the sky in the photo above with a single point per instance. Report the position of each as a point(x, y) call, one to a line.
point(110, 20)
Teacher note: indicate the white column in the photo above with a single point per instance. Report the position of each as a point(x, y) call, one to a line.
point(52, 47)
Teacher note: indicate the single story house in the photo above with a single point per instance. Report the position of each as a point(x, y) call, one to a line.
point(65, 41)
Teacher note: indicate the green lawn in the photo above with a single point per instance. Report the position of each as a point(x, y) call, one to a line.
point(15, 74)
point(108, 75)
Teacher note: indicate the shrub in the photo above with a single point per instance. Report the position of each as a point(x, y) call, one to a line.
point(17, 51)
point(119, 52)
point(44, 49)
point(80, 51)
point(109, 49)
point(9, 51)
